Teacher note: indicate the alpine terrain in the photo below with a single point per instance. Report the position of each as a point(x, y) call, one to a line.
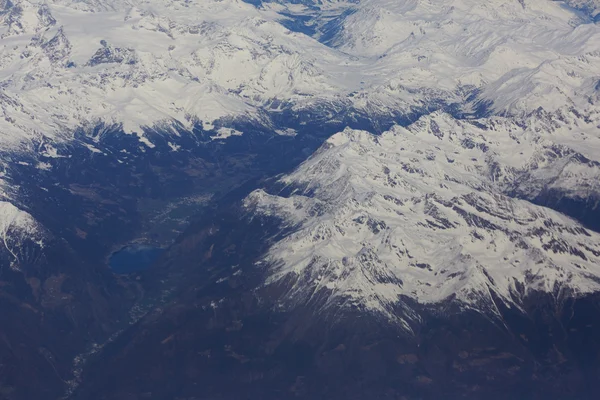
point(313, 199)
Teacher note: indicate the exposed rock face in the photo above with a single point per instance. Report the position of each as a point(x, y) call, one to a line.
point(58, 48)
point(108, 54)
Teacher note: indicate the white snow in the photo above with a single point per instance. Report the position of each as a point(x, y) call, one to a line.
point(200, 60)
point(224, 133)
point(44, 166)
point(92, 148)
point(15, 227)
point(423, 212)
point(146, 142)
point(174, 147)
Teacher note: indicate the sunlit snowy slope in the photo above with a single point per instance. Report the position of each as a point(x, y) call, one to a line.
point(66, 64)
point(436, 211)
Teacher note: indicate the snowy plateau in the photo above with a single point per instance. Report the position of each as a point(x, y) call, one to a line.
point(499, 99)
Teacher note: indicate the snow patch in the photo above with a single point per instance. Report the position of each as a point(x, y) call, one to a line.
point(224, 133)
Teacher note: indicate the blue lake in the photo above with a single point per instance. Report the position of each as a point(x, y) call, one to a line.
point(134, 258)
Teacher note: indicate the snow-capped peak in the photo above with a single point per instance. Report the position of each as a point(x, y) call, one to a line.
point(424, 213)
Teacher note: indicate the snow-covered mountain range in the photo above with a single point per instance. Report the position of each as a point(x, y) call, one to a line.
point(532, 66)
point(458, 164)
point(435, 211)
point(67, 64)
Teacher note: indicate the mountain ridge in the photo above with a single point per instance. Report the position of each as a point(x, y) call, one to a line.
point(161, 50)
point(367, 213)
